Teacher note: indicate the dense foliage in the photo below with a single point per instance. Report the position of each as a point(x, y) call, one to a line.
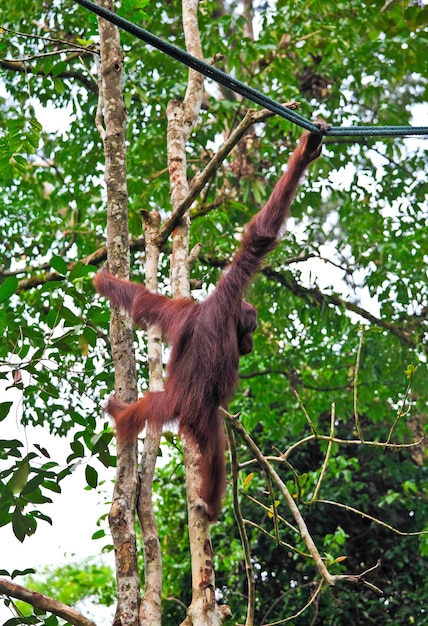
point(347, 284)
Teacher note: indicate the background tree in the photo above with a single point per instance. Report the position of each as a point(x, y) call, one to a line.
point(342, 302)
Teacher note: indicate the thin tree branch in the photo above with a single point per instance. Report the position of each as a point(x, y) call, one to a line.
point(347, 442)
point(45, 603)
point(263, 530)
point(268, 510)
point(401, 411)
point(62, 42)
point(302, 610)
point(200, 180)
point(251, 582)
point(314, 294)
point(40, 55)
point(305, 413)
point(355, 384)
point(17, 66)
point(281, 597)
point(265, 463)
point(96, 258)
point(295, 380)
point(268, 469)
point(327, 454)
point(347, 507)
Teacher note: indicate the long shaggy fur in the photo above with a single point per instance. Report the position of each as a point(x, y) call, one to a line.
point(207, 338)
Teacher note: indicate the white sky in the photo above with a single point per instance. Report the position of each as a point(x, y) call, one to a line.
point(74, 512)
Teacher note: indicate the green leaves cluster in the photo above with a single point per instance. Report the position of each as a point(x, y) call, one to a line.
point(25, 484)
point(19, 140)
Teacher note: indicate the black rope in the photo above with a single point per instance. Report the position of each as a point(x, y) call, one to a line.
point(244, 90)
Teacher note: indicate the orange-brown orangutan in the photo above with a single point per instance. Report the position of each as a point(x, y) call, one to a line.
point(207, 338)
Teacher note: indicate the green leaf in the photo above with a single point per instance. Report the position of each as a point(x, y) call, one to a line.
point(69, 316)
point(80, 270)
point(4, 409)
point(91, 476)
point(59, 265)
point(84, 42)
point(20, 478)
point(59, 68)
point(99, 534)
point(53, 486)
point(18, 163)
point(78, 450)
point(8, 288)
point(22, 525)
point(23, 572)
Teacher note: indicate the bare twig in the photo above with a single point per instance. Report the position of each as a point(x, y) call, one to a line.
point(401, 411)
point(346, 442)
point(267, 509)
point(274, 509)
point(251, 600)
point(302, 610)
point(62, 42)
point(305, 413)
point(355, 384)
point(200, 180)
point(346, 507)
point(33, 57)
point(282, 543)
point(387, 5)
point(268, 469)
point(327, 455)
point(315, 295)
point(266, 464)
point(17, 66)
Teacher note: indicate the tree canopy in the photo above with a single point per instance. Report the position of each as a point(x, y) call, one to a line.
point(334, 394)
